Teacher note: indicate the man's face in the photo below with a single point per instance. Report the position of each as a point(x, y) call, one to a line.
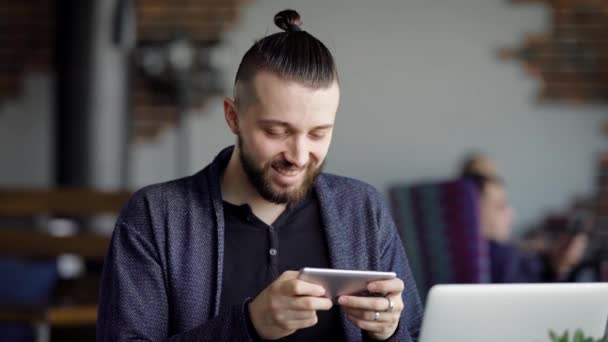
point(496, 214)
point(284, 136)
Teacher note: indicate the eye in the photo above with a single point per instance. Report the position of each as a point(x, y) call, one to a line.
point(317, 135)
point(275, 132)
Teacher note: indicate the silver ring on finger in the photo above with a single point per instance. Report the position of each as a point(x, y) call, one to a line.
point(391, 305)
point(376, 316)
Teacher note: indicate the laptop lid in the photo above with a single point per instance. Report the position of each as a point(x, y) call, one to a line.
point(514, 312)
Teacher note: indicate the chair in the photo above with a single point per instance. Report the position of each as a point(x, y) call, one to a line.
point(439, 227)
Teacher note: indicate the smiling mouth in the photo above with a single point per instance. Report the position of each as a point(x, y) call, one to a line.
point(287, 172)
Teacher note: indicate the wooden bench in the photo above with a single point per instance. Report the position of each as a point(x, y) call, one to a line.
point(35, 243)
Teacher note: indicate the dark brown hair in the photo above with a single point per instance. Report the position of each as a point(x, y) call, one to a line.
point(293, 55)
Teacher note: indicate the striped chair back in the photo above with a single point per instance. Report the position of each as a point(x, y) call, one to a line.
point(439, 227)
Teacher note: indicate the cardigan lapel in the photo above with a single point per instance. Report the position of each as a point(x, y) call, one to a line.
point(337, 242)
point(214, 173)
point(333, 225)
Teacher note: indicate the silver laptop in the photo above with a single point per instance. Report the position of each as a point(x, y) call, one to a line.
point(514, 312)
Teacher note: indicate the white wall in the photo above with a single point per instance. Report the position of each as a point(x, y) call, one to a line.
point(108, 101)
point(26, 135)
point(421, 86)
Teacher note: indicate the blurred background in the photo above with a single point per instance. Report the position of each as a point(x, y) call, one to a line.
point(101, 97)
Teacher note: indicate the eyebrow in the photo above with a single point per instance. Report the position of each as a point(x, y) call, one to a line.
point(267, 122)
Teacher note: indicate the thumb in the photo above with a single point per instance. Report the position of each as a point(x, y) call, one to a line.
point(287, 275)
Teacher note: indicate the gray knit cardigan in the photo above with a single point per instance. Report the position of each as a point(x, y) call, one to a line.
point(162, 276)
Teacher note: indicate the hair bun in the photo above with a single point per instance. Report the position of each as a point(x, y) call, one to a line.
point(288, 20)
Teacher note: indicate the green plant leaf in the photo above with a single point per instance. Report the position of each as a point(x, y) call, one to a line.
point(578, 336)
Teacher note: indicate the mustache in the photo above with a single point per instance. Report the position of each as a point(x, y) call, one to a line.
point(286, 165)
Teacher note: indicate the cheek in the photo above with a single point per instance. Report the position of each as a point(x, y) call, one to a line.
point(484, 214)
point(319, 150)
point(263, 147)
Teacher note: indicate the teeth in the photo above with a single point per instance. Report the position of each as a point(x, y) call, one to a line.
point(287, 173)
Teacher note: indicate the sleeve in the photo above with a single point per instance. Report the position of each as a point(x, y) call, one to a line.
point(133, 304)
point(394, 258)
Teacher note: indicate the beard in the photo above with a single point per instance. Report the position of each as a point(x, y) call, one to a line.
point(261, 178)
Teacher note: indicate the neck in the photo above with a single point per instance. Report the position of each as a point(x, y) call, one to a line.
point(238, 190)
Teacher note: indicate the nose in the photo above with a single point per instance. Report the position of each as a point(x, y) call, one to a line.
point(298, 152)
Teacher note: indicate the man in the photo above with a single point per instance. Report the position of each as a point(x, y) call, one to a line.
point(214, 256)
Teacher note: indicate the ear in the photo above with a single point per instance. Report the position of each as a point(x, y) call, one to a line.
point(231, 115)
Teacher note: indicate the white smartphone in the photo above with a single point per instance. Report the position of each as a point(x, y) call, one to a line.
point(343, 282)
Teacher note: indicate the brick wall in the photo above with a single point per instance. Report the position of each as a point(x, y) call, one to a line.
point(26, 42)
point(205, 21)
point(571, 59)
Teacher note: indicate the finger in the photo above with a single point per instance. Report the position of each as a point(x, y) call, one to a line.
point(310, 303)
point(296, 287)
point(371, 315)
point(288, 275)
point(391, 286)
point(371, 326)
point(370, 303)
point(300, 323)
point(295, 315)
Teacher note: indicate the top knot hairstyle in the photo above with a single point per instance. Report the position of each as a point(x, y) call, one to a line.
point(293, 55)
point(288, 20)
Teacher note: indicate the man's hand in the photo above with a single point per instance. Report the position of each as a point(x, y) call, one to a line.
point(286, 305)
point(370, 313)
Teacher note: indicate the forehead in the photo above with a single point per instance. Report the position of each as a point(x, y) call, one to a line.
point(293, 102)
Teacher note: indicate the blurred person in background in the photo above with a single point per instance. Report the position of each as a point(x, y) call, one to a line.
point(510, 263)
